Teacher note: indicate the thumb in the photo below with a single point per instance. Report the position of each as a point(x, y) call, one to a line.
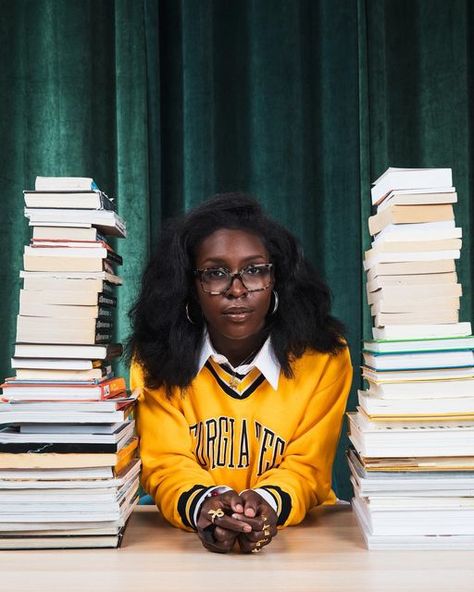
point(250, 502)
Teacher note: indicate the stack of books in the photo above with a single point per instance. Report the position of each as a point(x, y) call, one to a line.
point(68, 451)
point(412, 462)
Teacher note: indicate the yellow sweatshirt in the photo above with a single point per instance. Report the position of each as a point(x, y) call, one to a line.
point(283, 441)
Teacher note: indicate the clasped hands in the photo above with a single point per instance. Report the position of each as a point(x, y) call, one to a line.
point(229, 517)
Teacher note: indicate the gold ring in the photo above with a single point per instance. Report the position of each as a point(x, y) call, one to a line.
point(256, 550)
point(266, 531)
point(216, 514)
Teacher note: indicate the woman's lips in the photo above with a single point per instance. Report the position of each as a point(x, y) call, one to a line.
point(237, 314)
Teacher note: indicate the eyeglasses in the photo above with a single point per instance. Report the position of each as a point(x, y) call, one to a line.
point(217, 280)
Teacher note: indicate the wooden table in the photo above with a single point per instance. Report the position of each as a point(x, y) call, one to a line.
point(323, 554)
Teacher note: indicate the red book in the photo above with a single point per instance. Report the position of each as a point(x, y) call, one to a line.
point(15, 390)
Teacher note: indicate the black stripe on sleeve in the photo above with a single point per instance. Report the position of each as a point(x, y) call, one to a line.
point(187, 517)
point(285, 502)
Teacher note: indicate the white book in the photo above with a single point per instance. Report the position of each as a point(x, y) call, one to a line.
point(419, 196)
point(444, 230)
point(417, 361)
point(72, 275)
point(424, 331)
point(388, 257)
point(407, 482)
point(410, 281)
point(65, 184)
point(416, 374)
point(414, 178)
point(379, 407)
point(67, 351)
point(51, 364)
point(65, 479)
point(421, 389)
point(424, 317)
point(411, 292)
point(396, 532)
point(382, 439)
point(108, 222)
point(394, 305)
point(411, 345)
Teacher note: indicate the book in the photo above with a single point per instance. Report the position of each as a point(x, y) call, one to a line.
point(64, 443)
point(66, 233)
point(391, 483)
point(372, 258)
point(64, 264)
point(419, 360)
point(379, 408)
point(100, 250)
point(65, 184)
point(51, 541)
point(413, 305)
point(443, 230)
point(93, 200)
point(44, 374)
point(73, 297)
point(46, 276)
point(398, 438)
point(419, 196)
point(117, 460)
point(410, 267)
point(410, 281)
point(108, 222)
point(428, 521)
point(405, 178)
point(104, 406)
point(411, 345)
point(416, 374)
point(55, 364)
point(415, 331)
point(28, 390)
point(64, 311)
point(67, 351)
point(457, 386)
point(396, 214)
point(427, 317)
point(83, 478)
point(76, 331)
point(411, 292)
point(413, 245)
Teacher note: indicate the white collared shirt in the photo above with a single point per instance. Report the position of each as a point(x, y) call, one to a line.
point(265, 360)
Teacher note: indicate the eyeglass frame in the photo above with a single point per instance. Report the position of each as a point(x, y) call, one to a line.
point(198, 273)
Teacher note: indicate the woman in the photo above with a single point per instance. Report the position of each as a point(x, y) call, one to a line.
point(244, 376)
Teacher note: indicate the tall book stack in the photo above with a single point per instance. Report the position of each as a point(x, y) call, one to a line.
point(412, 461)
point(68, 450)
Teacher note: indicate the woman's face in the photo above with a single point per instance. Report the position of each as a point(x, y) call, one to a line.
point(237, 314)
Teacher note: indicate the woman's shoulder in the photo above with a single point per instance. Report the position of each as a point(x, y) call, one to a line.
point(313, 360)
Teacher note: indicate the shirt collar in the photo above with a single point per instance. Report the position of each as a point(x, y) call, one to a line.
point(266, 360)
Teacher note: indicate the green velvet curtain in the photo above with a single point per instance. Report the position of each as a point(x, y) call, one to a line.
point(300, 102)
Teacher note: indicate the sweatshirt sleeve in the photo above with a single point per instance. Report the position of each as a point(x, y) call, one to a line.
point(170, 473)
point(303, 478)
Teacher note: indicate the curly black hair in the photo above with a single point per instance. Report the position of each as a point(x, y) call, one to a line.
point(167, 345)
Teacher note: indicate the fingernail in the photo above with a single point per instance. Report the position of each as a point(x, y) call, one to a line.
point(239, 508)
point(247, 528)
point(250, 512)
point(237, 516)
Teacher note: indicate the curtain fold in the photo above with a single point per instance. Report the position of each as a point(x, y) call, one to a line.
point(301, 103)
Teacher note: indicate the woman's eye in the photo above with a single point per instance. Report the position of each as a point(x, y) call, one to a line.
point(253, 270)
point(216, 274)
